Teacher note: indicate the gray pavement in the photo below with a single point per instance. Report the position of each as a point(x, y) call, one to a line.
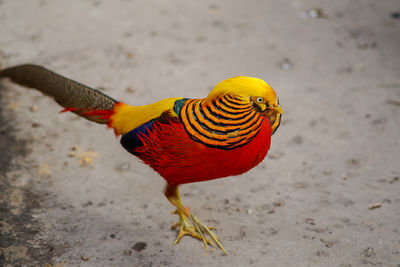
point(327, 194)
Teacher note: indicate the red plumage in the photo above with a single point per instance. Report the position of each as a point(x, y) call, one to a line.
point(100, 114)
point(86, 112)
point(169, 150)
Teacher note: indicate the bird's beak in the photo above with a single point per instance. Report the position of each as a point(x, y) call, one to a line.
point(274, 115)
point(278, 109)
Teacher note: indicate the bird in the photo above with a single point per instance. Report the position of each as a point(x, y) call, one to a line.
point(185, 140)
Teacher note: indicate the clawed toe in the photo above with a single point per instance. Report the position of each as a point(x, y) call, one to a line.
point(188, 223)
point(197, 230)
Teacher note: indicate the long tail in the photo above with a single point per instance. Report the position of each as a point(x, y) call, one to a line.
point(73, 96)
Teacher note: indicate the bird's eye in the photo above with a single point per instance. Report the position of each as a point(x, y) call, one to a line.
point(259, 100)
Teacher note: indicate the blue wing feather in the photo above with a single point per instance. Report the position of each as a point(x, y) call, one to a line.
point(130, 141)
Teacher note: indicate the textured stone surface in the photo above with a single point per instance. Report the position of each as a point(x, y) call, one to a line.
point(70, 195)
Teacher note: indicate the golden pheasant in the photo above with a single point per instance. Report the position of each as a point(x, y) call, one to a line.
point(184, 140)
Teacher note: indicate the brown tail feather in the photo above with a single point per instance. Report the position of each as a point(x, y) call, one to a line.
point(71, 95)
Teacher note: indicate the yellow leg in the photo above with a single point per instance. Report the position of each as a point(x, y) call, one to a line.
point(198, 229)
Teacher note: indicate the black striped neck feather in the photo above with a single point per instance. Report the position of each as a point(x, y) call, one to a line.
point(226, 122)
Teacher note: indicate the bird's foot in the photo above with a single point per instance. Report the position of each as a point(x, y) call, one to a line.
point(197, 230)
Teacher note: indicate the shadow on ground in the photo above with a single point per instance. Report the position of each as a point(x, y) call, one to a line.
point(20, 240)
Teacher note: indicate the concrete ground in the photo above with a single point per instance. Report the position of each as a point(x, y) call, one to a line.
point(328, 194)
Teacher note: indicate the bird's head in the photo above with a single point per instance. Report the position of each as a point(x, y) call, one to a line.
point(258, 93)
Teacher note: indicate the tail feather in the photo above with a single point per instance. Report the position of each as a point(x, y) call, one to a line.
point(85, 101)
point(73, 96)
